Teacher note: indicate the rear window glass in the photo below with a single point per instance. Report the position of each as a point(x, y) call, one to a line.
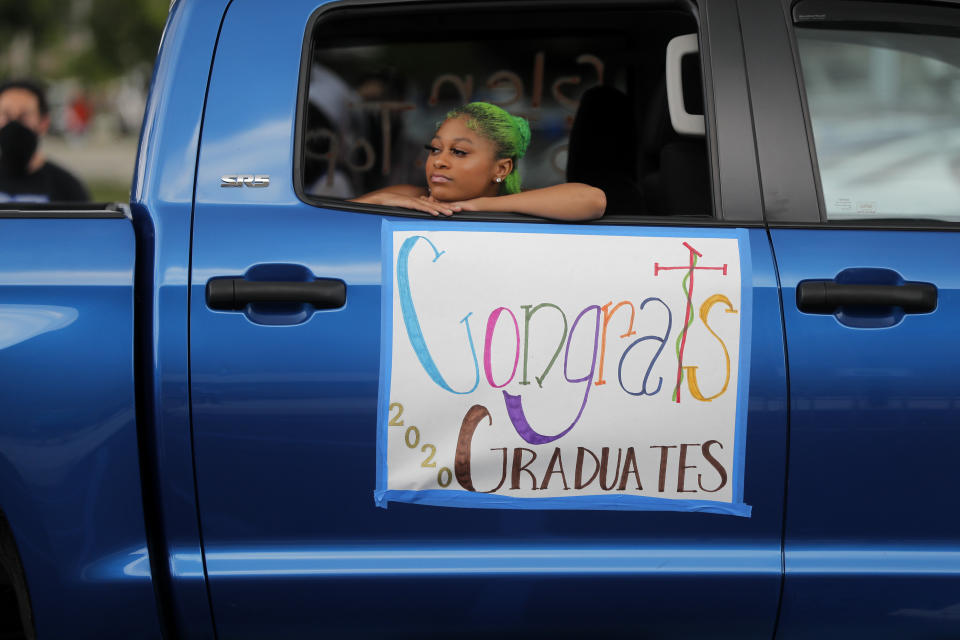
point(885, 113)
point(380, 82)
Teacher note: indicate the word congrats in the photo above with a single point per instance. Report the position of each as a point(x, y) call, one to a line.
point(563, 370)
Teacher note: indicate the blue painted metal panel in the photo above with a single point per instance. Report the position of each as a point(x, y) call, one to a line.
point(162, 206)
point(284, 421)
point(69, 476)
point(872, 530)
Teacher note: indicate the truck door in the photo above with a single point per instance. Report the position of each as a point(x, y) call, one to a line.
point(293, 419)
point(864, 238)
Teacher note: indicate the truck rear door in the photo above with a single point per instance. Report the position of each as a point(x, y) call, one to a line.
point(870, 306)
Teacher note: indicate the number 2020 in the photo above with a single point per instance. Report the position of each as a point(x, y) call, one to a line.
point(411, 438)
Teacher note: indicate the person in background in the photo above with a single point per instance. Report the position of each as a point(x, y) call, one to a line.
point(25, 173)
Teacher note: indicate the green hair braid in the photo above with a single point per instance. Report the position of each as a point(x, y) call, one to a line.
point(509, 134)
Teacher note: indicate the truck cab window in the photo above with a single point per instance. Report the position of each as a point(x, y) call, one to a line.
point(591, 84)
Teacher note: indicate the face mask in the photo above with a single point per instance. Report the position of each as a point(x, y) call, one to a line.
point(17, 145)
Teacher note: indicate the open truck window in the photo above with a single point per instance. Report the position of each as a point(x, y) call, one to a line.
point(593, 85)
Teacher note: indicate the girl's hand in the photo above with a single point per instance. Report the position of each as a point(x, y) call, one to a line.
point(445, 208)
point(419, 203)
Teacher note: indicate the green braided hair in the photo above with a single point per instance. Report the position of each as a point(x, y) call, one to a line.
point(509, 134)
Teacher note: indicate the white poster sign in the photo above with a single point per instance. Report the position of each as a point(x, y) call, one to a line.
point(600, 368)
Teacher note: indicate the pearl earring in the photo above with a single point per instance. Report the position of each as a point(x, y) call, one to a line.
point(499, 179)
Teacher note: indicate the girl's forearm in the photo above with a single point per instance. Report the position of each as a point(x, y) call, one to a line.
point(382, 196)
point(569, 201)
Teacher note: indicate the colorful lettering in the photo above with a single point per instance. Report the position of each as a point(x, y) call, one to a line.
point(687, 287)
point(412, 323)
point(527, 315)
point(607, 314)
point(488, 347)
point(661, 339)
point(692, 370)
point(514, 403)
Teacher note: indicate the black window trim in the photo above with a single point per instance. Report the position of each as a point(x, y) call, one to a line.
point(714, 219)
point(64, 210)
point(917, 17)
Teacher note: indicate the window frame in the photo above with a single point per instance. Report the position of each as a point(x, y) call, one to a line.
point(714, 217)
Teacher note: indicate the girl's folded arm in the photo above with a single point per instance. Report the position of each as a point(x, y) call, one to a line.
point(378, 196)
point(569, 201)
point(407, 196)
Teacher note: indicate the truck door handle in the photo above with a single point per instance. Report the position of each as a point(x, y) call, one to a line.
point(234, 294)
point(826, 296)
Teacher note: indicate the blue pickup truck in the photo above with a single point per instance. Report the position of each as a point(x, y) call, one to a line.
point(244, 406)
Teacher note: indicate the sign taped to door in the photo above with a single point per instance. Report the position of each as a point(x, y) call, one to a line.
point(534, 367)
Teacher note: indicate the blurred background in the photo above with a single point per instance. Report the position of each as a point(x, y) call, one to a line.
point(95, 58)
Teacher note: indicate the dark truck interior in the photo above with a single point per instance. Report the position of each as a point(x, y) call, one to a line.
point(592, 84)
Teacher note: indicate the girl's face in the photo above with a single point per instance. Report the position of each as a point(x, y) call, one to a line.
point(462, 164)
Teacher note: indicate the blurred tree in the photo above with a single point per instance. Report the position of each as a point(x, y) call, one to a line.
point(92, 39)
point(125, 35)
point(44, 20)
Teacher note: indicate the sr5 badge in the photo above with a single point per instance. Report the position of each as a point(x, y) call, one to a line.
point(244, 180)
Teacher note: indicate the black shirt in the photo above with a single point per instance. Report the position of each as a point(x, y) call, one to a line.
point(50, 183)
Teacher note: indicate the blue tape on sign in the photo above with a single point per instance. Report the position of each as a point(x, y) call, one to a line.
point(428, 226)
point(620, 502)
point(386, 353)
point(743, 379)
point(468, 499)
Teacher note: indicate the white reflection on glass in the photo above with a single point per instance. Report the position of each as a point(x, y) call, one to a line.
point(885, 112)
